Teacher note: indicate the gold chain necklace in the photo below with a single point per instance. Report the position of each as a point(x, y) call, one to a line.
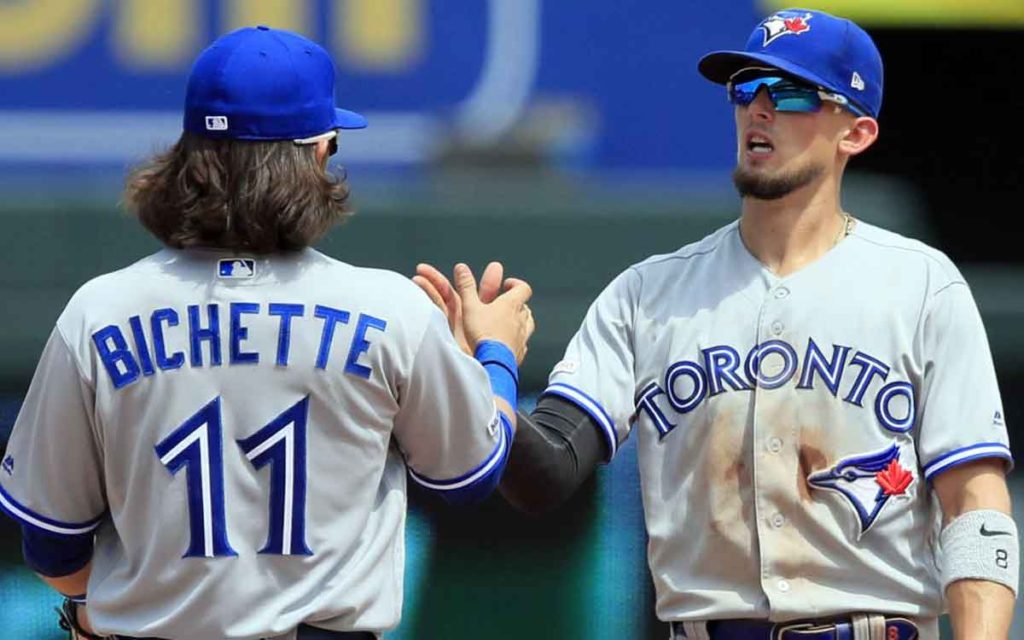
point(845, 229)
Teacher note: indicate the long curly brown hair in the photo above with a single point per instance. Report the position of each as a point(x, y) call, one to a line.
point(255, 196)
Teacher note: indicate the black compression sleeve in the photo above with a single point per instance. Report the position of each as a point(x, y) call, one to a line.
point(555, 449)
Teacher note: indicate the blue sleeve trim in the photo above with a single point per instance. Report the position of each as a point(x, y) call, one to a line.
point(26, 516)
point(500, 364)
point(478, 483)
point(966, 454)
point(593, 408)
point(55, 555)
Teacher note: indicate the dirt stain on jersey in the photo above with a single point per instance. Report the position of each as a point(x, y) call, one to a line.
point(811, 459)
point(729, 482)
point(800, 551)
point(815, 443)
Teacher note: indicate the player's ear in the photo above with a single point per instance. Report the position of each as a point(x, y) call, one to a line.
point(860, 134)
point(322, 151)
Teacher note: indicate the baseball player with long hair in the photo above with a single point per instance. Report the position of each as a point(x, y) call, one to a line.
point(822, 443)
point(216, 439)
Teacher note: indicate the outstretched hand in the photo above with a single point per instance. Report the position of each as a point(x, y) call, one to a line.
point(481, 313)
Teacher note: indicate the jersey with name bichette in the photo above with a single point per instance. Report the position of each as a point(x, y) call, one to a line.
point(237, 430)
point(789, 427)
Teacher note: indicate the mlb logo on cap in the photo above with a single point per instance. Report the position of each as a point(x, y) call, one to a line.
point(233, 268)
point(216, 123)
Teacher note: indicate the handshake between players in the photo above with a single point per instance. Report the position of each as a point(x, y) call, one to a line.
point(476, 314)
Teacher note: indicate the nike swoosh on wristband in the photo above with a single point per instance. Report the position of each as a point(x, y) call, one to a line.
point(987, 533)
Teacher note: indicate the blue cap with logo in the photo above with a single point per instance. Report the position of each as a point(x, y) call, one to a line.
point(833, 53)
point(259, 83)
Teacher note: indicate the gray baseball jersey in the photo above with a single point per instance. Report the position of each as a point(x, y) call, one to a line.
point(789, 426)
point(236, 431)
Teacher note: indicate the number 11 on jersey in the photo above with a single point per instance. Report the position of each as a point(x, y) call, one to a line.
point(282, 445)
point(197, 447)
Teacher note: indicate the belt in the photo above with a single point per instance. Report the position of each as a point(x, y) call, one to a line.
point(304, 632)
point(896, 628)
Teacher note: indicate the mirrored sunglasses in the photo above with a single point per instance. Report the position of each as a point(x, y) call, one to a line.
point(786, 94)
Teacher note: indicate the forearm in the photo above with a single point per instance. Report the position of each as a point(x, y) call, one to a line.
point(74, 584)
point(979, 550)
point(980, 610)
point(507, 409)
point(63, 562)
point(503, 372)
point(556, 448)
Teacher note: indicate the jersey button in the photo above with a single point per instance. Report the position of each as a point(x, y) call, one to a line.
point(777, 328)
point(775, 445)
point(781, 292)
point(778, 520)
point(783, 586)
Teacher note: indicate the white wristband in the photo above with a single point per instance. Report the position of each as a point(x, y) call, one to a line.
point(980, 545)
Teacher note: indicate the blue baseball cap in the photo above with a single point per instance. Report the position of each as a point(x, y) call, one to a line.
point(259, 83)
point(833, 53)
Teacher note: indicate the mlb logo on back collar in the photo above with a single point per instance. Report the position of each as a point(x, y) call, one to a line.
point(234, 268)
point(780, 25)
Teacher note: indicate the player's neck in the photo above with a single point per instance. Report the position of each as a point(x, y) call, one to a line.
point(788, 234)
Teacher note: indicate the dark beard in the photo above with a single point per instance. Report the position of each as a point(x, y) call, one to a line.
point(762, 187)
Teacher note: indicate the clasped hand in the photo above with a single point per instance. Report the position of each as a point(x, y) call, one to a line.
point(496, 310)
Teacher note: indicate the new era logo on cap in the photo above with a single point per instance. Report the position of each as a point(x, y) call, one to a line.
point(216, 123)
point(857, 82)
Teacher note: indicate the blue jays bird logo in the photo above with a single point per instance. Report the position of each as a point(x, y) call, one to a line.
point(867, 482)
point(782, 24)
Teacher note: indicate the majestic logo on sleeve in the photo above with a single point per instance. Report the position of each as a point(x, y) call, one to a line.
point(782, 24)
point(868, 482)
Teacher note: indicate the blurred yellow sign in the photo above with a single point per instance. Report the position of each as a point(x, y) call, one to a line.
point(32, 34)
point(914, 13)
point(379, 36)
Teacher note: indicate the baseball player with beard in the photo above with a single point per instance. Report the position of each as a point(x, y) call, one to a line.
point(216, 440)
point(822, 444)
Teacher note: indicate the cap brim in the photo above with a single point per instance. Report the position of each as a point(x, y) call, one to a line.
point(348, 120)
point(719, 66)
